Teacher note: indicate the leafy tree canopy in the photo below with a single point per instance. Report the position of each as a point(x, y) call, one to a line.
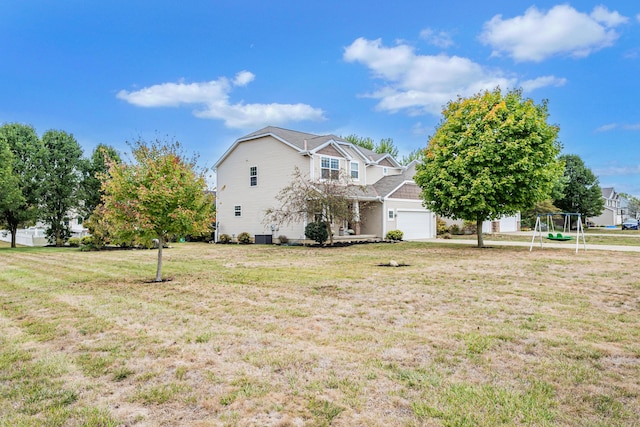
point(364, 142)
point(62, 162)
point(386, 145)
point(93, 168)
point(26, 162)
point(491, 155)
point(581, 192)
point(10, 194)
point(413, 155)
point(161, 193)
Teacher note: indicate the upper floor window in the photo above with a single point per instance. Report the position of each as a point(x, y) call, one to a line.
point(355, 171)
point(330, 168)
point(385, 171)
point(253, 176)
point(237, 210)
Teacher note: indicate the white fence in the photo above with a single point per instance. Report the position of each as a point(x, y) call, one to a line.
point(26, 237)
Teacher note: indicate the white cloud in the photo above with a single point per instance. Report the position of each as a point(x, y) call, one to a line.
point(243, 78)
point(424, 84)
point(562, 30)
point(618, 170)
point(609, 19)
point(440, 39)
point(607, 127)
point(531, 85)
point(214, 97)
point(613, 126)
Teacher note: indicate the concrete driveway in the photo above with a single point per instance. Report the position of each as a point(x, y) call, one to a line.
point(571, 245)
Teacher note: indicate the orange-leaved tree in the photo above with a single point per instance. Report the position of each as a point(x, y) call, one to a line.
point(159, 194)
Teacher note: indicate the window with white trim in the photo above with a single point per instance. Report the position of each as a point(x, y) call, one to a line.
point(237, 210)
point(253, 176)
point(355, 171)
point(391, 215)
point(329, 168)
point(385, 171)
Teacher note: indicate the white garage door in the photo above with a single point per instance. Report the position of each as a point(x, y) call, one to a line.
point(414, 224)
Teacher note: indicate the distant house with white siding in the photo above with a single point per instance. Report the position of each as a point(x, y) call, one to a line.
point(611, 215)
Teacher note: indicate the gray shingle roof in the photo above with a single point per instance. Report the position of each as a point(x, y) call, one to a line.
point(297, 139)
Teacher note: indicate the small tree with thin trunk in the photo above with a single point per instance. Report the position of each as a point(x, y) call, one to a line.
point(158, 195)
point(325, 200)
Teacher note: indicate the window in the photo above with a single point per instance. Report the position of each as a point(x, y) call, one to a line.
point(330, 168)
point(385, 171)
point(253, 176)
point(355, 171)
point(390, 215)
point(237, 210)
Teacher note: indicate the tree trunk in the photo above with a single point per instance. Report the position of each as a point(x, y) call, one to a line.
point(330, 232)
point(159, 269)
point(479, 233)
point(14, 230)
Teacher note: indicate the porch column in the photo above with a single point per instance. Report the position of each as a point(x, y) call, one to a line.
point(356, 217)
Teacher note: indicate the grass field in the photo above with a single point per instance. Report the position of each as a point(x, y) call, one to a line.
point(291, 336)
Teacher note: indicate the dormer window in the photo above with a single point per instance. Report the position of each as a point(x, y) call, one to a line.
point(329, 168)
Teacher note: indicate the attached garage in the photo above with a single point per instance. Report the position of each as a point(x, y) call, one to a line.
point(415, 224)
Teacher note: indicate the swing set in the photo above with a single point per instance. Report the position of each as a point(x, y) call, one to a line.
point(566, 229)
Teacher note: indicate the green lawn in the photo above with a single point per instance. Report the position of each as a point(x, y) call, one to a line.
point(285, 336)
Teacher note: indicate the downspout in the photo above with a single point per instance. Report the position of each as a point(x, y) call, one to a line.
point(384, 217)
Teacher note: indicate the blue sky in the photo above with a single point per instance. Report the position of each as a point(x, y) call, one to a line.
point(208, 72)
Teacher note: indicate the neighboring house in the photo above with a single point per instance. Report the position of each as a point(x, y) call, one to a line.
point(257, 166)
point(611, 215)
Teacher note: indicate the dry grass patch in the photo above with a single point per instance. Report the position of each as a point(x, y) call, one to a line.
point(288, 336)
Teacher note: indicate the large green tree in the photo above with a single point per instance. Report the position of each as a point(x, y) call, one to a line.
point(62, 162)
point(10, 194)
point(25, 161)
point(493, 154)
point(93, 168)
point(581, 193)
point(161, 193)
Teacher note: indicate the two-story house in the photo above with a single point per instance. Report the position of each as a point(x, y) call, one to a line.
point(611, 214)
point(257, 166)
